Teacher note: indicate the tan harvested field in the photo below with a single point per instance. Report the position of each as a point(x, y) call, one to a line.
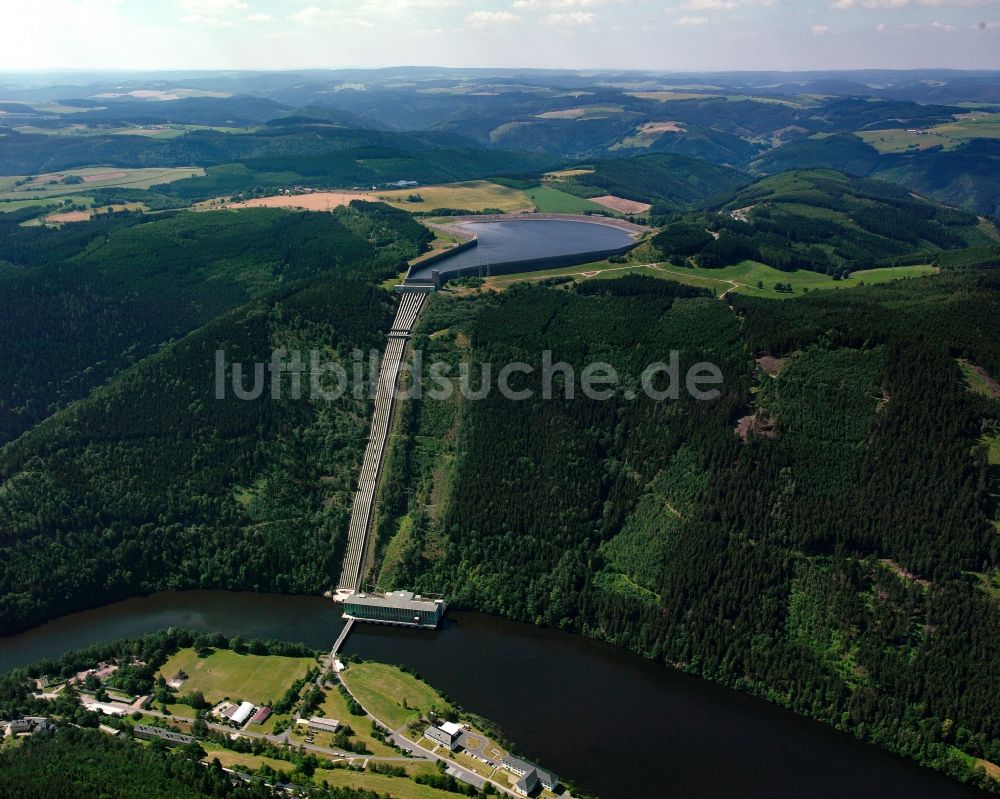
point(70, 216)
point(991, 768)
point(583, 112)
point(621, 205)
point(568, 173)
point(83, 216)
point(317, 201)
point(662, 127)
point(476, 195)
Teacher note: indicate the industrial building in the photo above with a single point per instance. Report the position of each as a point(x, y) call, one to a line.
point(242, 713)
point(531, 775)
point(396, 607)
point(320, 724)
point(150, 733)
point(262, 715)
point(446, 734)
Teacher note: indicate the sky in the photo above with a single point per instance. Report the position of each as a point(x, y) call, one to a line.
point(570, 34)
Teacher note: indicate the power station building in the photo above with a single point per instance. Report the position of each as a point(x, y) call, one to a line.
point(395, 607)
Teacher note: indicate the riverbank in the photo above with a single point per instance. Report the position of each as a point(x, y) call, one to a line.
point(711, 741)
point(192, 690)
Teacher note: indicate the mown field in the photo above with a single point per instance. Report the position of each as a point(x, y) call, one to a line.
point(383, 689)
point(254, 678)
point(549, 200)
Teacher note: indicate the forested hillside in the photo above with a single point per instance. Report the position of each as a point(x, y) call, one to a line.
point(822, 221)
point(669, 182)
point(824, 534)
point(82, 302)
point(152, 482)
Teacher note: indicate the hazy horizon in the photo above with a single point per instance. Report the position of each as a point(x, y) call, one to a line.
point(675, 36)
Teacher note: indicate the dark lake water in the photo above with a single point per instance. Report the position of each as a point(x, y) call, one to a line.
point(617, 724)
point(503, 244)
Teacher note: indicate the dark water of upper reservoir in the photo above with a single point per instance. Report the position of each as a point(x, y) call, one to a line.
point(505, 243)
point(619, 725)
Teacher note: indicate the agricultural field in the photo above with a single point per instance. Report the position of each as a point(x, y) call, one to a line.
point(647, 135)
point(62, 217)
point(549, 200)
point(476, 195)
point(255, 678)
point(975, 125)
point(71, 181)
point(897, 140)
point(667, 96)
point(583, 112)
point(742, 278)
point(391, 695)
point(760, 280)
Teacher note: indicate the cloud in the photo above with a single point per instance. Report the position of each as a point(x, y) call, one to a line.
point(260, 18)
point(557, 3)
point(820, 30)
point(480, 19)
point(691, 22)
point(207, 7)
point(313, 16)
point(912, 27)
point(709, 5)
point(570, 19)
point(844, 5)
point(202, 21)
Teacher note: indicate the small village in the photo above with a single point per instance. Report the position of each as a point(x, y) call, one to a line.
point(274, 718)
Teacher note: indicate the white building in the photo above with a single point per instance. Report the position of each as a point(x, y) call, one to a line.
point(242, 713)
point(320, 724)
point(105, 708)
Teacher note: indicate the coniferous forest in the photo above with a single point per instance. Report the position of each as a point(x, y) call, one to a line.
point(825, 534)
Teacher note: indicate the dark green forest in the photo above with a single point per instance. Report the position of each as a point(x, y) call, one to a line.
point(80, 303)
point(821, 221)
point(150, 482)
point(826, 537)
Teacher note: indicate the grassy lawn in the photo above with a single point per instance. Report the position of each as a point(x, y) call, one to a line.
point(267, 728)
point(181, 710)
point(255, 678)
point(396, 787)
point(549, 200)
point(475, 195)
point(241, 761)
point(472, 764)
point(382, 689)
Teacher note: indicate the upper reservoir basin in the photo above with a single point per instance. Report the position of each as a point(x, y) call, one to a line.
point(522, 244)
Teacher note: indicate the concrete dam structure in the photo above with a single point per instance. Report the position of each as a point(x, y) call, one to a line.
point(371, 465)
